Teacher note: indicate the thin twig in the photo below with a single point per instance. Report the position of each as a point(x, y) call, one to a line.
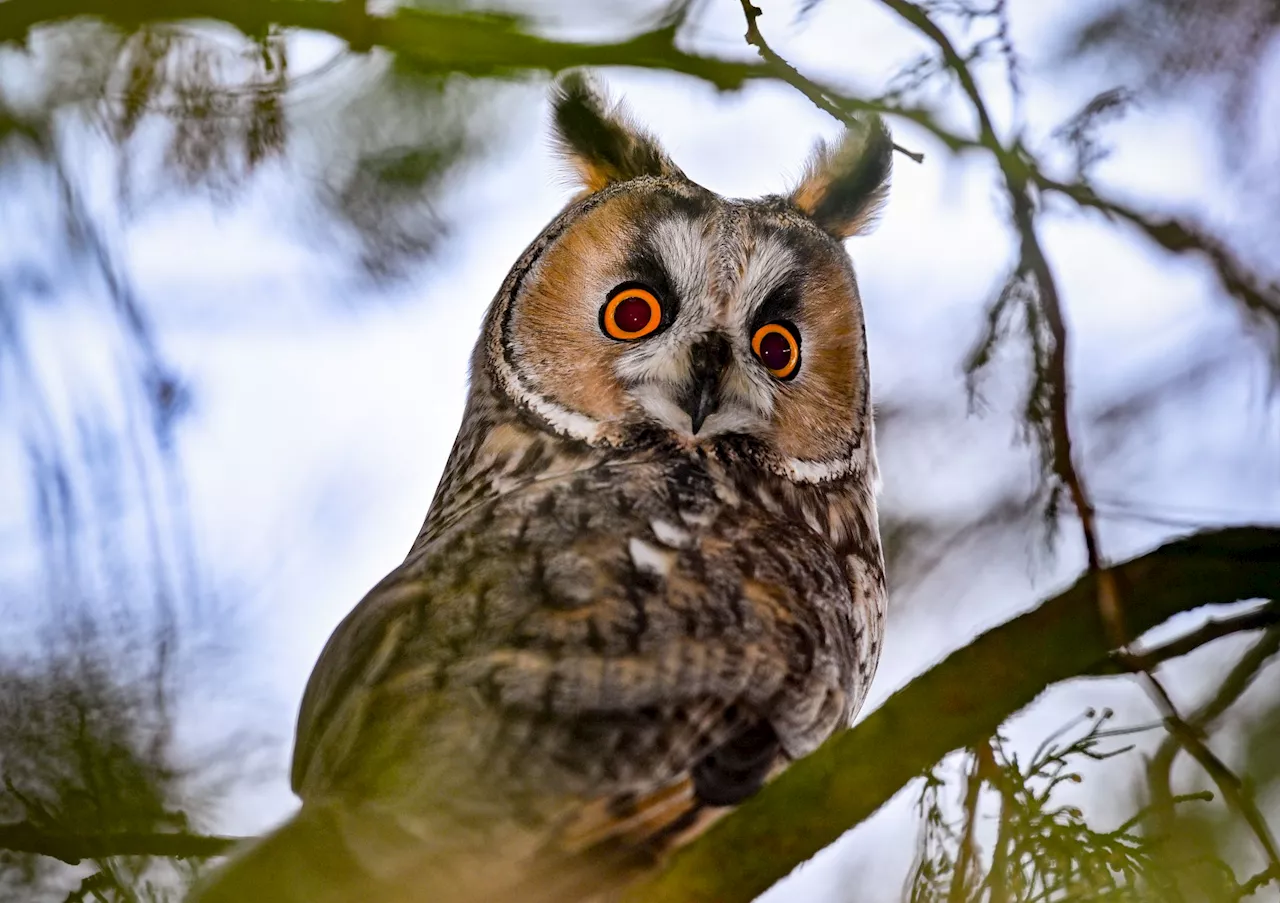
point(918, 18)
point(964, 859)
point(1258, 882)
point(1238, 679)
point(1260, 298)
point(1234, 791)
point(1199, 796)
point(996, 876)
point(820, 97)
point(1213, 629)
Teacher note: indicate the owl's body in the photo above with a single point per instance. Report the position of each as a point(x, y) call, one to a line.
point(651, 575)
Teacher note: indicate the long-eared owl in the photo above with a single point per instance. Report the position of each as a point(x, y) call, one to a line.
point(651, 575)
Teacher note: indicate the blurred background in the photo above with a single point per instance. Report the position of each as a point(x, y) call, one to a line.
point(244, 257)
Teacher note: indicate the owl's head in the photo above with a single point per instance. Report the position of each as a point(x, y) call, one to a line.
point(652, 305)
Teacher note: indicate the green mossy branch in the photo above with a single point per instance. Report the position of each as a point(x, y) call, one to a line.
point(440, 41)
point(959, 702)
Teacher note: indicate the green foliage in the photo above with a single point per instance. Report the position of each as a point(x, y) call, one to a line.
point(88, 743)
point(1044, 849)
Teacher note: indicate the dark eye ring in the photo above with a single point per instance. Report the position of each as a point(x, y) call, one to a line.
point(777, 345)
point(631, 312)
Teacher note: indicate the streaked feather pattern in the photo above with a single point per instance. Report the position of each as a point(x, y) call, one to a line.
point(617, 620)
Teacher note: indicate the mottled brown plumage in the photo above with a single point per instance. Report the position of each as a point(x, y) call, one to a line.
point(651, 575)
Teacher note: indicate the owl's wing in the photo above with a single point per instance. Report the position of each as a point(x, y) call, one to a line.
point(617, 657)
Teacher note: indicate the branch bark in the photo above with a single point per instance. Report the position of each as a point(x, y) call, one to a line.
point(25, 837)
point(958, 703)
point(1213, 629)
point(470, 42)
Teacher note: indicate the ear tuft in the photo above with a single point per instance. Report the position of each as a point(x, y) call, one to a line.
point(845, 184)
point(598, 138)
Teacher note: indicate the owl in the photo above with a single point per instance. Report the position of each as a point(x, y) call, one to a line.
point(651, 575)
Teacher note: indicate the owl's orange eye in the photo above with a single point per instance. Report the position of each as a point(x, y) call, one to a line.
point(778, 347)
point(632, 312)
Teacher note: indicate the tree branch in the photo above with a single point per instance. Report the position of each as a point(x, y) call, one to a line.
point(915, 16)
point(25, 837)
point(1234, 791)
point(488, 44)
point(1258, 882)
point(820, 97)
point(1188, 736)
point(1260, 299)
point(476, 43)
point(955, 704)
point(1215, 628)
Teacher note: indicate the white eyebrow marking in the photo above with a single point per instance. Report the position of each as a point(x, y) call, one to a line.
point(684, 249)
point(767, 266)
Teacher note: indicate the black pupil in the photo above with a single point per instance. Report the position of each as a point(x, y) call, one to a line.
point(632, 314)
point(775, 351)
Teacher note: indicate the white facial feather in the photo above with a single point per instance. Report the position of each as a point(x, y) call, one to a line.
point(768, 265)
point(685, 248)
point(721, 276)
point(688, 250)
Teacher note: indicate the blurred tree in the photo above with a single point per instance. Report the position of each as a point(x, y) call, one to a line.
point(197, 96)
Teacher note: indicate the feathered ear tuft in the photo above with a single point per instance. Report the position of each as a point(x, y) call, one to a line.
point(599, 140)
point(845, 184)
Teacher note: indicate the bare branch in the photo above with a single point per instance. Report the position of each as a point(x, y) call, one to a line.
point(1234, 791)
point(1260, 299)
point(1215, 628)
point(1188, 735)
point(1258, 882)
point(820, 97)
point(1034, 263)
point(1018, 178)
point(917, 18)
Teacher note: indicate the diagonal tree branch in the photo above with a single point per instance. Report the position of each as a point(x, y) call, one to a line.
point(1188, 736)
point(956, 704)
point(1215, 628)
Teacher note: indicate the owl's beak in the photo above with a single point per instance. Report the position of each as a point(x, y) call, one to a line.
point(701, 396)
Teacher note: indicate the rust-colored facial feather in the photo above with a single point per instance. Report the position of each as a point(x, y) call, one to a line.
point(554, 325)
point(819, 412)
point(703, 276)
point(715, 267)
